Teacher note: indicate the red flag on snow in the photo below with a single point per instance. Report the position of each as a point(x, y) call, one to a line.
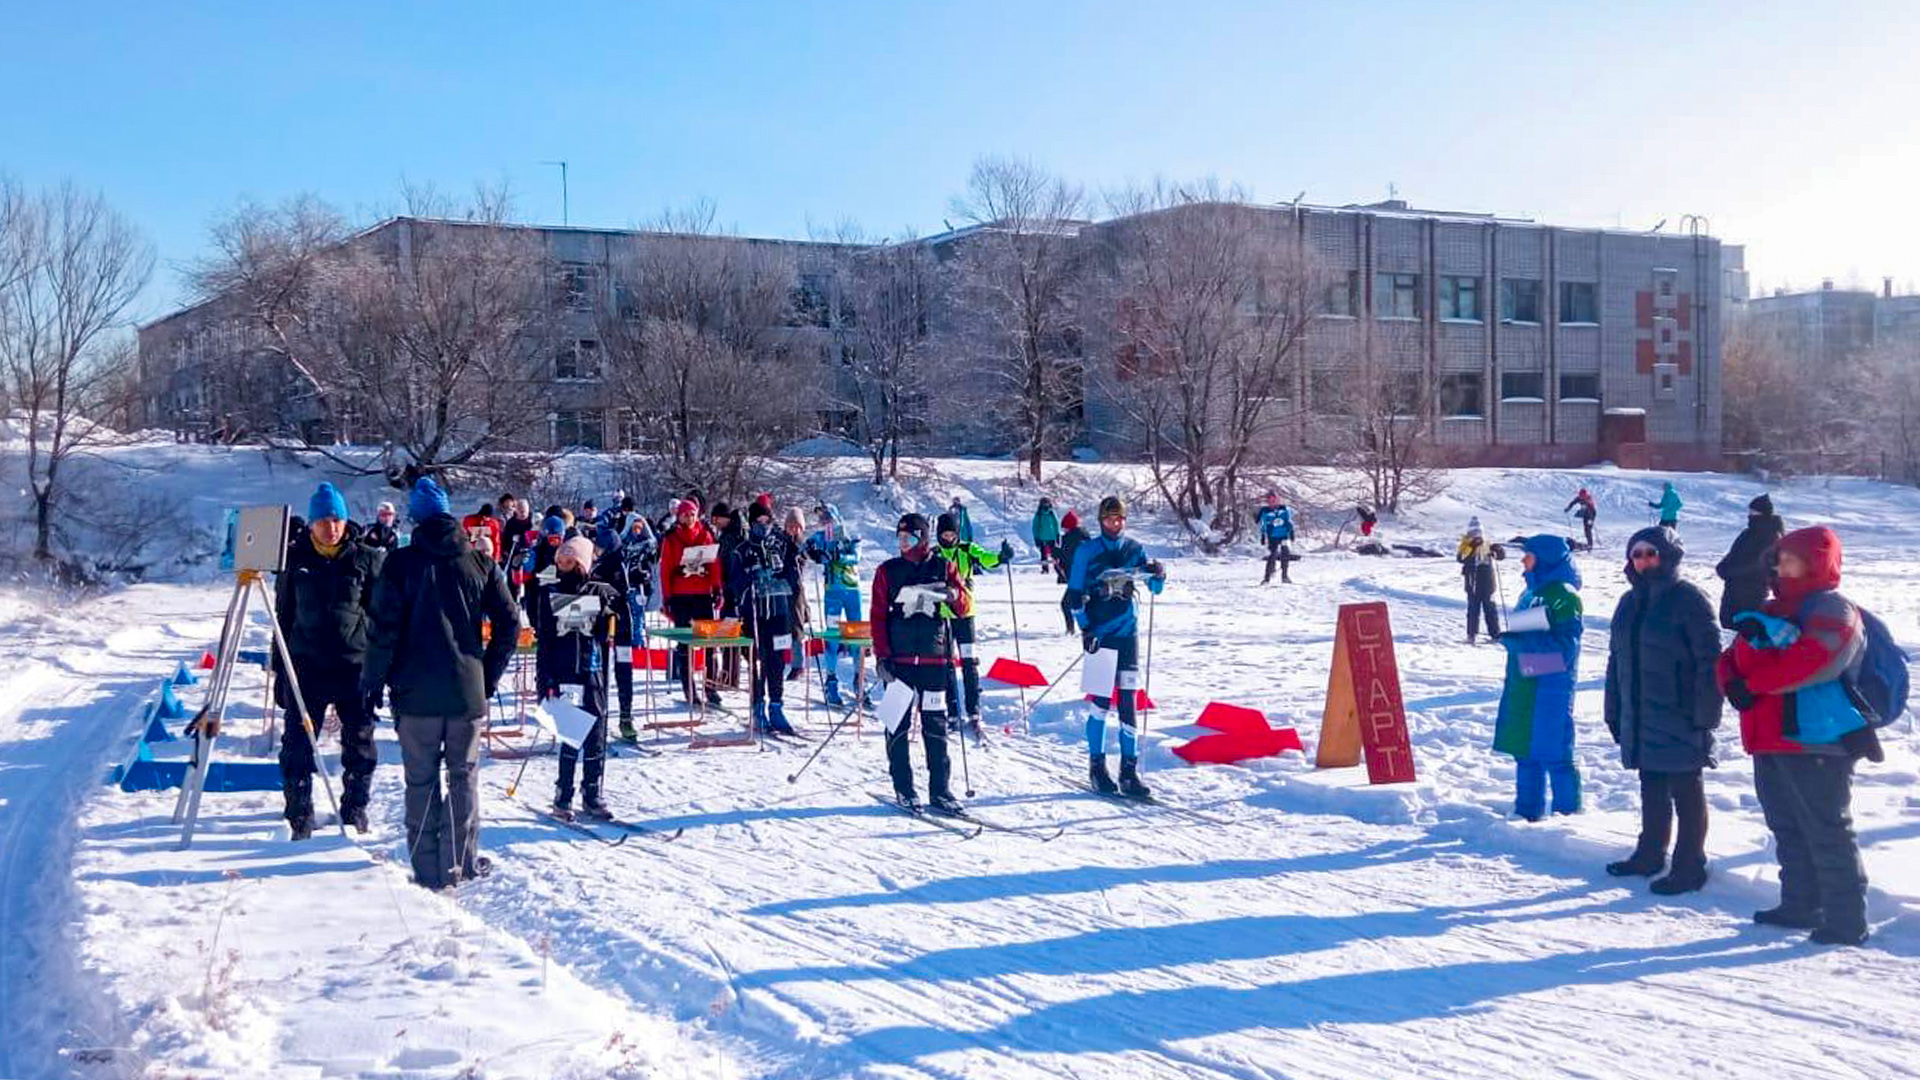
point(206, 660)
point(1016, 674)
point(1244, 734)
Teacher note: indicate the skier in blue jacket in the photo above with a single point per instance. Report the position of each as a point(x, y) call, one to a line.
point(1100, 593)
point(837, 553)
point(1276, 531)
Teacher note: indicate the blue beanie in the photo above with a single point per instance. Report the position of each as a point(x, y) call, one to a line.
point(554, 525)
point(427, 500)
point(327, 502)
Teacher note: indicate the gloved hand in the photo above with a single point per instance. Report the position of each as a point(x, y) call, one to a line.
point(1006, 551)
point(1090, 641)
point(1156, 568)
point(1741, 697)
point(1752, 629)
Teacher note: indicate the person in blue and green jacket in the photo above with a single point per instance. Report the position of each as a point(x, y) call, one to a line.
point(1535, 724)
point(966, 556)
point(837, 553)
point(1276, 531)
point(1669, 507)
point(1046, 533)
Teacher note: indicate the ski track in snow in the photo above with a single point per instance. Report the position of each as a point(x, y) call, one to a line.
point(804, 931)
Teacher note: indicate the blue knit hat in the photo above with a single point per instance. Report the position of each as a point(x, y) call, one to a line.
point(554, 525)
point(427, 500)
point(327, 502)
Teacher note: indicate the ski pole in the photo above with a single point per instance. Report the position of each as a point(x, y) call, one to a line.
point(960, 698)
point(1014, 606)
point(1050, 686)
point(794, 777)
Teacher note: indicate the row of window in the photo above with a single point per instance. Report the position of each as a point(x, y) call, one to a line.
point(1400, 296)
point(1460, 392)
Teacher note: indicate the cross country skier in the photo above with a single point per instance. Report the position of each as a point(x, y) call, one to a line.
point(767, 566)
point(1477, 571)
point(611, 570)
point(1669, 507)
point(838, 555)
point(1046, 533)
point(910, 643)
point(962, 522)
point(1276, 530)
point(1100, 595)
point(323, 600)
point(575, 615)
point(1583, 508)
point(1071, 538)
point(965, 556)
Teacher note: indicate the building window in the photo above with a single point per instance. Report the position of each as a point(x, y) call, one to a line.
point(1326, 388)
point(1523, 386)
point(1460, 298)
point(1343, 296)
point(1396, 296)
point(811, 303)
point(1580, 388)
point(1577, 302)
point(1519, 300)
point(578, 283)
point(577, 361)
point(1460, 394)
point(577, 428)
point(1408, 390)
point(632, 433)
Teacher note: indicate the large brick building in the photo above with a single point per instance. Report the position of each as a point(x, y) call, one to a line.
point(1540, 344)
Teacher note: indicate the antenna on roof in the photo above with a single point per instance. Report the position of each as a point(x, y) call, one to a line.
point(947, 223)
point(1657, 228)
point(563, 189)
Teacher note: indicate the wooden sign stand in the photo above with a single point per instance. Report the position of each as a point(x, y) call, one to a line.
point(1365, 713)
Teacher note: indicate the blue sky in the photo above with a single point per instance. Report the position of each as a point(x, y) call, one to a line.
point(1788, 125)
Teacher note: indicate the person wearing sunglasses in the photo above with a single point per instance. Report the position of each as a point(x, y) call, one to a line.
point(1535, 723)
point(1662, 707)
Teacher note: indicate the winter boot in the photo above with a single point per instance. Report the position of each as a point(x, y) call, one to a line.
point(777, 720)
point(945, 803)
point(1637, 865)
point(1130, 784)
point(832, 693)
point(1098, 776)
point(907, 801)
point(1681, 880)
point(355, 816)
point(593, 809)
point(563, 805)
point(300, 828)
point(627, 733)
point(1827, 935)
point(1791, 918)
point(713, 698)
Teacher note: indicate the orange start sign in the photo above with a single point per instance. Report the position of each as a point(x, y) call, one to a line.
point(1365, 711)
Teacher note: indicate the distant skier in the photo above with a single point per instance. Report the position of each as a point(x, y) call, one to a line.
point(1745, 568)
point(1476, 558)
point(910, 644)
point(1071, 537)
point(1368, 519)
point(965, 557)
point(382, 534)
point(1046, 533)
point(1100, 594)
point(1535, 722)
point(1276, 531)
point(958, 508)
point(1583, 507)
point(1669, 507)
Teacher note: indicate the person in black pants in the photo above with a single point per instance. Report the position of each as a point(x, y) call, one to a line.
point(1476, 568)
point(1662, 707)
point(1072, 535)
point(323, 600)
point(765, 568)
point(573, 622)
point(911, 644)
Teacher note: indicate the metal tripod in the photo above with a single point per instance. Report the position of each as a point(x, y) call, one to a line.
point(205, 726)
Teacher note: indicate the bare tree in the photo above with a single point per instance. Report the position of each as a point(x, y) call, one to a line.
point(1383, 427)
point(888, 295)
point(1018, 275)
point(1892, 409)
point(1783, 418)
point(1212, 300)
point(698, 354)
point(70, 267)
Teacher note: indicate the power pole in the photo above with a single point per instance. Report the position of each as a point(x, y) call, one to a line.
point(564, 217)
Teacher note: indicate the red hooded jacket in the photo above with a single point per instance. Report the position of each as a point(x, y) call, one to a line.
point(678, 540)
point(1831, 639)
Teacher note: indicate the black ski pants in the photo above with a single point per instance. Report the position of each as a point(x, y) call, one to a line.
point(1665, 796)
point(322, 685)
point(1807, 800)
point(930, 683)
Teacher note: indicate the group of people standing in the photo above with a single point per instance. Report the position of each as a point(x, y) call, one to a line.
point(1792, 670)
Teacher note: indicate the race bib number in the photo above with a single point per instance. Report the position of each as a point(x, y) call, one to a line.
point(783, 641)
point(623, 654)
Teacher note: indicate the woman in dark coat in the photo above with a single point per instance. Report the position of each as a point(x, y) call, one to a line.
point(1662, 705)
point(1745, 568)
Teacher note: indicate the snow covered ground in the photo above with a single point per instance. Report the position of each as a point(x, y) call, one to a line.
point(1317, 928)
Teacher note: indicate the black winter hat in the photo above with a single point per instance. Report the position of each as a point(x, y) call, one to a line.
point(945, 524)
point(1113, 504)
point(758, 511)
point(913, 523)
point(1761, 504)
point(721, 510)
point(626, 504)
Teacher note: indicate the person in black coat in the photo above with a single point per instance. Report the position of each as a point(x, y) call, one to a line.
point(1662, 706)
point(322, 600)
point(426, 650)
point(610, 569)
point(574, 625)
point(381, 534)
point(1745, 568)
point(765, 569)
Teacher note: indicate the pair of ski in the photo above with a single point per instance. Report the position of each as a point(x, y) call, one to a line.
point(1152, 802)
point(966, 824)
point(628, 829)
